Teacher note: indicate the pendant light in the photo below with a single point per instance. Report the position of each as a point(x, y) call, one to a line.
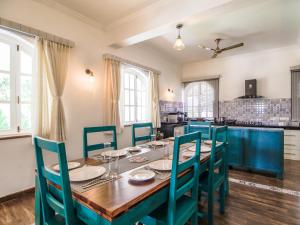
point(179, 45)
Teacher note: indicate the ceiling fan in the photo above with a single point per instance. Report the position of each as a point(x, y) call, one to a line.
point(219, 50)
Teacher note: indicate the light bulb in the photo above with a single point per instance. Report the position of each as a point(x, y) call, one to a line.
point(179, 45)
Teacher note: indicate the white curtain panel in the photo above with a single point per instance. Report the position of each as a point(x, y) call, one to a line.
point(113, 89)
point(154, 93)
point(53, 69)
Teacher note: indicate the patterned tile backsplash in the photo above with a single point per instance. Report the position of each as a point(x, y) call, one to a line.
point(264, 110)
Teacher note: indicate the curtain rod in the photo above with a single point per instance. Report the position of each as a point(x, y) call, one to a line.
point(201, 79)
point(32, 32)
point(109, 56)
point(293, 68)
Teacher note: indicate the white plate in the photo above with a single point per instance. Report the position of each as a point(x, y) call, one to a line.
point(114, 153)
point(204, 149)
point(157, 143)
point(135, 149)
point(164, 165)
point(188, 154)
point(86, 173)
point(141, 175)
point(71, 165)
point(209, 142)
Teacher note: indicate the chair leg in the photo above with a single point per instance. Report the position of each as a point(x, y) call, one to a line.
point(222, 192)
point(38, 205)
point(210, 208)
point(195, 219)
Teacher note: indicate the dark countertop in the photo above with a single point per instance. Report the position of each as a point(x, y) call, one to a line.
point(262, 126)
point(176, 124)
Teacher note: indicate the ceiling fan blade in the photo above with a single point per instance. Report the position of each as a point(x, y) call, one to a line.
point(232, 47)
point(215, 55)
point(206, 48)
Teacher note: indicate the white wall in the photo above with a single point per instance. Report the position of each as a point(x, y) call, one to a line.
point(83, 100)
point(271, 68)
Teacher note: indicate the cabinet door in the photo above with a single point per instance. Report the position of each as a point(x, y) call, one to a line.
point(264, 150)
point(235, 146)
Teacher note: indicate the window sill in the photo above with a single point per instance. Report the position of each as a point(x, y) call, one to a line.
point(15, 136)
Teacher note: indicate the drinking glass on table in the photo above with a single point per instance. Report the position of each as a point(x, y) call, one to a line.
point(166, 151)
point(153, 138)
point(114, 166)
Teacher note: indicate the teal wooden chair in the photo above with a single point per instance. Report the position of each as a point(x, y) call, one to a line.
point(180, 207)
point(57, 204)
point(215, 178)
point(88, 130)
point(203, 127)
point(146, 137)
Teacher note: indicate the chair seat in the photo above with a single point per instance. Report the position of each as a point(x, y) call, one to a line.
point(60, 220)
point(185, 207)
point(203, 181)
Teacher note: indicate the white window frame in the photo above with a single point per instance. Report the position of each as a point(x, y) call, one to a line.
point(144, 77)
point(198, 110)
point(17, 44)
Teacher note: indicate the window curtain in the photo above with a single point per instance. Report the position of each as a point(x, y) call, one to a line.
point(215, 84)
point(52, 72)
point(154, 93)
point(296, 95)
point(113, 89)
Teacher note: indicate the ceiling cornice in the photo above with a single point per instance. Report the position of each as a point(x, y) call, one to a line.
point(73, 13)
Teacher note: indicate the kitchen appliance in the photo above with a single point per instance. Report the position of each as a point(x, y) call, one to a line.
point(176, 117)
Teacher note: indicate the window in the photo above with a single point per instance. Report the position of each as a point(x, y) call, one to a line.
point(201, 99)
point(134, 95)
point(16, 70)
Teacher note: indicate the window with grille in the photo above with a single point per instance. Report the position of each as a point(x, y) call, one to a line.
point(201, 99)
point(134, 95)
point(16, 80)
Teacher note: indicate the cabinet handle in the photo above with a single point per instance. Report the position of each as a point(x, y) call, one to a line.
point(290, 145)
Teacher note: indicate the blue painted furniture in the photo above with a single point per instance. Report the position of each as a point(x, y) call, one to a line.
point(180, 207)
point(203, 126)
point(257, 149)
point(87, 130)
point(146, 137)
point(215, 178)
point(56, 205)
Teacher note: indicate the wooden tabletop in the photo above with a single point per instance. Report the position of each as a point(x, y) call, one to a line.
point(111, 199)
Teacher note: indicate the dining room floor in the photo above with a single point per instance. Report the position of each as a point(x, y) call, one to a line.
point(253, 199)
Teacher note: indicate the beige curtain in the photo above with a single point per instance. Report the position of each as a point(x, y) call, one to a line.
point(53, 66)
point(113, 89)
point(154, 93)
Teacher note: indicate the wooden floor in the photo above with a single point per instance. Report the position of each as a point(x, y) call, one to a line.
point(246, 205)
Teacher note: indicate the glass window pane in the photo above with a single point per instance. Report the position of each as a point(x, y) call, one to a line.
point(139, 114)
point(132, 114)
point(4, 116)
point(144, 114)
point(139, 98)
point(26, 63)
point(26, 88)
point(139, 84)
point(4, 87)
point(126, 81)
point(126, 93)
point(25, 116)
point(132, 102)
point(131, 81)
point(126, 114)
point(4, 56)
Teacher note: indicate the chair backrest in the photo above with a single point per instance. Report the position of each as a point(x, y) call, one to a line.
point(203, 126)
point(54, 200)
point(87, 130)
point(218, 155)
point(191, 184)
point(146, 137)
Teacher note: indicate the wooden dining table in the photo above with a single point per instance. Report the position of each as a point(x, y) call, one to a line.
point(120, 202)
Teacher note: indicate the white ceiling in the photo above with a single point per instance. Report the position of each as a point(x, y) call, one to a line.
point(105, 12)
point(270, 24)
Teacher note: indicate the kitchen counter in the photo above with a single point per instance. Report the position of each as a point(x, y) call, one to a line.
point(259, 126)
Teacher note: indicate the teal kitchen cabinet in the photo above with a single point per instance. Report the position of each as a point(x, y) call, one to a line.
point(257, 149)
